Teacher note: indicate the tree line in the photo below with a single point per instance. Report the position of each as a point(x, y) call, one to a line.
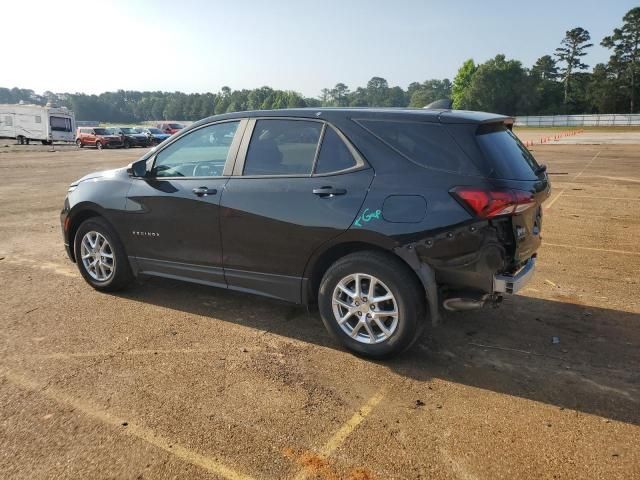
point(556, 83)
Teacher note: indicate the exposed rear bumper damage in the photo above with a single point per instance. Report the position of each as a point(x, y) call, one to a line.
point(514, 282)
point(473, 265)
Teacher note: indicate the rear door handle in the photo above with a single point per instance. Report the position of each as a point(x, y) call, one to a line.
point(204, 191)
point(328, 191)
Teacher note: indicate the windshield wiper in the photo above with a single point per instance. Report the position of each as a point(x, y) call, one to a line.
point(541, 169)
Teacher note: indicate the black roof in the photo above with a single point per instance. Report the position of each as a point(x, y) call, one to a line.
point(329, 113)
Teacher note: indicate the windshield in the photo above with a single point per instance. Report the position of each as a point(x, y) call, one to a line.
point(102, 131)
point(155, 131)
point(175, 125)
point(129, 131)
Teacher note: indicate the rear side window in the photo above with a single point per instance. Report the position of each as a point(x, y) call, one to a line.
point(282, 147)
point(428, 145)
point(334, 154)
point(506, 156)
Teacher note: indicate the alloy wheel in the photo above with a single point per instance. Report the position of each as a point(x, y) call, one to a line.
point(365, 308)
point(97, 256)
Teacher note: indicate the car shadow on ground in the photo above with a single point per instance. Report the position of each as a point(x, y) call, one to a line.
point(557, 352)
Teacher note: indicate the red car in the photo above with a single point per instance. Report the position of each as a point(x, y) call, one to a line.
point(98, 137)
point(170, 127)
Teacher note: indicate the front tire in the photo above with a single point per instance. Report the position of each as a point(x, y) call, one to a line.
point(99, 145)
point(79, 143)
point(101, 257)
point(372, 303)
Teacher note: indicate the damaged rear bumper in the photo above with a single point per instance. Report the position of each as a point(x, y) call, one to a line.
point(512, 283)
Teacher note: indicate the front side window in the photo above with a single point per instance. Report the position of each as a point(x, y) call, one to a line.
point(282, 147)
point(60, 124)
point(334, 155)
point(200, 153)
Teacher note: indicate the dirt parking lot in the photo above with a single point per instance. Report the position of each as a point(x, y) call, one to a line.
point(171, 380)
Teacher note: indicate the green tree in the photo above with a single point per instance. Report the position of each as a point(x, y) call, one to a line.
point(325, 97)
point(545, 68)
point(461, 83)
point(257, 97)
point(624, 42)
point(603, 94)
point(339, 95)
point(377, 92)
point(498, 85)
point(174, 109)
point(544, 89)
point(358, 98)
point(571, 50)
point(429, 91)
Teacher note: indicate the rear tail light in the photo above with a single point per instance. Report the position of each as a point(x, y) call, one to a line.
point(492, 203)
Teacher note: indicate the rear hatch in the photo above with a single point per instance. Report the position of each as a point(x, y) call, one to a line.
point(519, 186)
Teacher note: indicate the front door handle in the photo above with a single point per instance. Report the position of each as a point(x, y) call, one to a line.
point(204, 191)
point(328, 191)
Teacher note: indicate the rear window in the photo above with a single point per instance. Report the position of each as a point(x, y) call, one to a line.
point(506, 156)
point(426, 144)
point(60, 124)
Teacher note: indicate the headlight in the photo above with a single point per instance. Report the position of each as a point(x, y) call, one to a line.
point(71, 188)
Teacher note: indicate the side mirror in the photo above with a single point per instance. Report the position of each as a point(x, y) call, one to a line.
point(137, 169)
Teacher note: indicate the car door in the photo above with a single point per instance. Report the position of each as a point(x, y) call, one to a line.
point(296, 185)
point(173, 212)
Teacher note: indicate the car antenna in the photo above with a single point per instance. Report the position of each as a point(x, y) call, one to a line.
point(442, 104)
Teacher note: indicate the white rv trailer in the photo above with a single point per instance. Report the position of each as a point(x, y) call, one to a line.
point(34, 122)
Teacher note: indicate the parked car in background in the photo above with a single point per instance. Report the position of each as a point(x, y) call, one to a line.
point(131, 137)
point(98, 137)
point(155, 135)
point(380, 216)
point(170, 127)
point(35, 122)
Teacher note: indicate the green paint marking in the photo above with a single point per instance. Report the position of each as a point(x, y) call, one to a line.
point(366, 217)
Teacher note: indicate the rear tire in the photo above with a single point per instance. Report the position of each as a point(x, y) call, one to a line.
point(364, 326)
point(106, 266)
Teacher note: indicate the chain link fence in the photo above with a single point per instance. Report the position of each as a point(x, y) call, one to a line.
point(605, 120)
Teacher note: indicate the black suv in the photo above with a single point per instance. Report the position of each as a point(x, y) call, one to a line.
point(381, 216)
point(131, 137)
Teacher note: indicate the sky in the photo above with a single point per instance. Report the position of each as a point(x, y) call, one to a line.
point(302, 45)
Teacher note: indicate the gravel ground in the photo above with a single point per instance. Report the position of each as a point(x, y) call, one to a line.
point(170, 380)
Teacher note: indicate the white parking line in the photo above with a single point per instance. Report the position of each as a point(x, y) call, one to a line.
point(608, 250)
point(603, 198)
point(345, 430)
point(561, 192)
point(207, 463)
